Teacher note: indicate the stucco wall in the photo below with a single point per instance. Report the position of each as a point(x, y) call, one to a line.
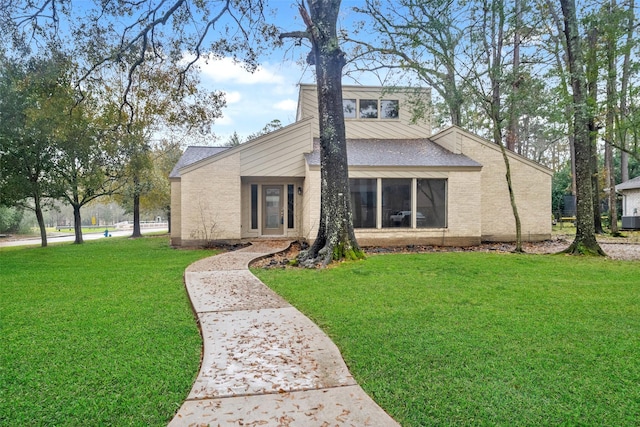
point(211, 202)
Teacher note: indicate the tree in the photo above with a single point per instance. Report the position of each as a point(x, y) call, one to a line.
point(89, 161)
point(30, 110)
point(585, 240)
point(164, 101)
point(336, 239)
point(424, 37)
point(158, 198)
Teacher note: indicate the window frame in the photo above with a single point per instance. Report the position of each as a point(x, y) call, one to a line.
point(382, 223)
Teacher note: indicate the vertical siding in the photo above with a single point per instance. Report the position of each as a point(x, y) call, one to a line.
point(631, 201)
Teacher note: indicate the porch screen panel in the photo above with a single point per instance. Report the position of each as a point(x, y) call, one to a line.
point(363, 202)
point(432, 203)
point(396, 202)
point(254, 206)
point(290, 206)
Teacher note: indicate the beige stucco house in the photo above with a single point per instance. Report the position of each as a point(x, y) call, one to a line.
point(270, 187)
point(630, 191)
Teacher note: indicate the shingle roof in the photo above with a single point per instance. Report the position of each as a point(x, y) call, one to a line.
point(629, 185)
point(194, 154)
point(396, 152)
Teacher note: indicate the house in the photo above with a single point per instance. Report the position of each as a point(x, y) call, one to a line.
point(270, 187)
point(630, 191)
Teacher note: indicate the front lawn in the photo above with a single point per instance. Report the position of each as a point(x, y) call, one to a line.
point(483, 339)
point(96, 334)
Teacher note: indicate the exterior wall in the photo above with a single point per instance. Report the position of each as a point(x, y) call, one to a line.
point(293, 233)
point(371, 128)
point(311, 204)
point(176, 212)
point(631, 202)
point(463, 225)
point(531, 183)
point(211, 197)
point(463, 201)
point(279, 153)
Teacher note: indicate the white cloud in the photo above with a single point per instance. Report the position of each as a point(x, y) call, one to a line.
point(286, 105)
point(225, 70)
point(232, 97)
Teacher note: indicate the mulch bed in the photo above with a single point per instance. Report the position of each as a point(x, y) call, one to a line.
point(284, 259)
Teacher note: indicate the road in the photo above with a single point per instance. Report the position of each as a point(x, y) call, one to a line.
point(69, 237)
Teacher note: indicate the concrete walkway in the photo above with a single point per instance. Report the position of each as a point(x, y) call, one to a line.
point(264, 362)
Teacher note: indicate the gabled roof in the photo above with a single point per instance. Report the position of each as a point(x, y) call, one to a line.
point(629, 185)
point(194, 154)
point(397, 152)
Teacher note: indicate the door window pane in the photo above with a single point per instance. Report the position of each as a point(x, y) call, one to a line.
point(432, 203)
point(363, 202)
point(272, 208)
point(254, 206)
point(396, 202)
point(290, 206)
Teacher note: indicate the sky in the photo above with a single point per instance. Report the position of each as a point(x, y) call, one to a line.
point(254, 100)
point(270, 93)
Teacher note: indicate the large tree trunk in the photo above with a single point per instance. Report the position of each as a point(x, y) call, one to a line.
point(585, 240)
point(592, 91)
point(40, 217)
point(136, 207)
point(624, 110)
point(77, 223)
point(609, 131)
point(336, 239)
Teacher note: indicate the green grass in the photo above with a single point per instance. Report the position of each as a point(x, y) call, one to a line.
point(483, 339)
point(95, 334)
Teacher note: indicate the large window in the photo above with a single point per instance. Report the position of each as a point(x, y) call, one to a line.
point(363, 202)
point(396, 202)
point(431, 204)
point(371, 108)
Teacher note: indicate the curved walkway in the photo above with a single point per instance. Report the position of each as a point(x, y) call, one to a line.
point(264, 362)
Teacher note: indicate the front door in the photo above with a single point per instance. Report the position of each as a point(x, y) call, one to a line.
point(272, 212)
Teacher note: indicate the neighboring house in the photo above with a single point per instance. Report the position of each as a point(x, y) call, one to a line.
point(630, 191)
point(270, 187)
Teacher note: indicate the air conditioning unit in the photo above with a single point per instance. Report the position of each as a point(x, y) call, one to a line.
point(631, 222)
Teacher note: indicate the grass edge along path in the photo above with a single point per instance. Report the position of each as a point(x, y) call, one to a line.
point(96, 334)
point(483, 339)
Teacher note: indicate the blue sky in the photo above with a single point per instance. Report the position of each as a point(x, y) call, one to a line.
point(254, 100)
